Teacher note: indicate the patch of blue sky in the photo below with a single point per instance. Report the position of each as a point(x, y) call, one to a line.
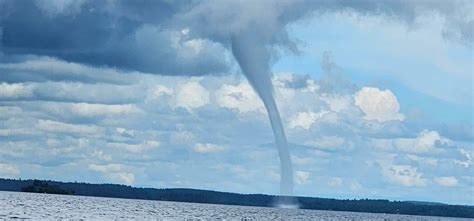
point(438, 86)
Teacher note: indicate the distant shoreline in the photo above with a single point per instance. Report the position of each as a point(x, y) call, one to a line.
point(261, 200)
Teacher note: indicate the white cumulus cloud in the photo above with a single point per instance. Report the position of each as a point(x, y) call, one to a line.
point(101, 155)
point(135, 148)
point(15, 90)
point(468, 156)
point(127, 178)
point(448, 181)
point(106, 168)
point(159, 90)
point(89, 110)
point(191, 95)
point(8, 169)
point(405, 175)
point(305, 119)
point(426, 141)
point(335, 182)
point(114, 172)
point(302, 177)
point(240, 97)
point(125, 132)
point(338, 103)
point(207, 148)
point(378, 105)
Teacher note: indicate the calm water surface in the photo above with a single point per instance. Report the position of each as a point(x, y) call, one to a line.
point(17, 205)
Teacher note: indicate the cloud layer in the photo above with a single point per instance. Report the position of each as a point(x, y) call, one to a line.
point(186, 37)
point(162, 140)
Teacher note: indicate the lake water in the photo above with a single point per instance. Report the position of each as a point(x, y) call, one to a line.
point(17, 205)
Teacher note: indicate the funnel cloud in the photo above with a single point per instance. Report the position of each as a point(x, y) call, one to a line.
point(253, 58)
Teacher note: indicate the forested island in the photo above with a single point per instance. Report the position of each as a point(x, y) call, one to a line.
point(214, 197)
point(39, 186)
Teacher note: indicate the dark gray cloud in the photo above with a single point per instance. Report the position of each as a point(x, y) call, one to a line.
point(40, 69)
point(182, 37)
point(116, 34)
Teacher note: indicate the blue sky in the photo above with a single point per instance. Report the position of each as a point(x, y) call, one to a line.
point(373, 106)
